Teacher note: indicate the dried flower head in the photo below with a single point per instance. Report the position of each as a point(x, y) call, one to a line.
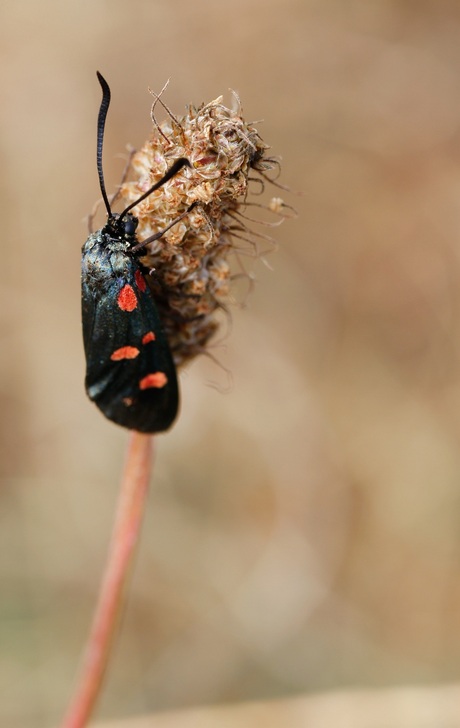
point(190, 266)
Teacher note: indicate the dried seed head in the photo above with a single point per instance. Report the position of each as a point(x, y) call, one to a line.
point(191, 273)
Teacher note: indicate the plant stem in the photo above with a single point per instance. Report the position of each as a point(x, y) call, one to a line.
point(131, 506)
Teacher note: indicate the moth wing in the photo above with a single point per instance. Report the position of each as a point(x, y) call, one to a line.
point(130, 373)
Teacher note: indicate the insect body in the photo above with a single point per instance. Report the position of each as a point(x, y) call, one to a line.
point(130, 373)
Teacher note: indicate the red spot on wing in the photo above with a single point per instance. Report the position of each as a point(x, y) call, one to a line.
point(126, 352)
point(150, 336)
point(155, 380)
point(127, 299)
point(140, 281)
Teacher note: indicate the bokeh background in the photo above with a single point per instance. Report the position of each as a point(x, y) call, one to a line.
point(303, 531)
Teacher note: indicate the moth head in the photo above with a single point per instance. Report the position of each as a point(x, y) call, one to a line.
point(122, 226)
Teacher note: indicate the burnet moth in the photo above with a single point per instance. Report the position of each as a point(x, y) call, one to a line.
point(130, 373)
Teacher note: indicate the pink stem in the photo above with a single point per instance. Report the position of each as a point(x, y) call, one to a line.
point(131, 506)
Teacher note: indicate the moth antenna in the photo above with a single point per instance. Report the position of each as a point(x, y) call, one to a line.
point(105, 103)
point(172, 171)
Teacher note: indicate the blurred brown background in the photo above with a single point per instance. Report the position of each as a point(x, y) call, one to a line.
point(303, 531)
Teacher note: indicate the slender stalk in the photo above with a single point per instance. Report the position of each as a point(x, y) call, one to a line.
point(130, 509)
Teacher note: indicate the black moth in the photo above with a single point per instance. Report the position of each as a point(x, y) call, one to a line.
point(130, 373)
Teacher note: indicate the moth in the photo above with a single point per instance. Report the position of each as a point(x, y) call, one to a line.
point(130, 372)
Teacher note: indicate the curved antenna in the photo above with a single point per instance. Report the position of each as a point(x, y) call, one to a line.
point(105, 103)
point(172, 171)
